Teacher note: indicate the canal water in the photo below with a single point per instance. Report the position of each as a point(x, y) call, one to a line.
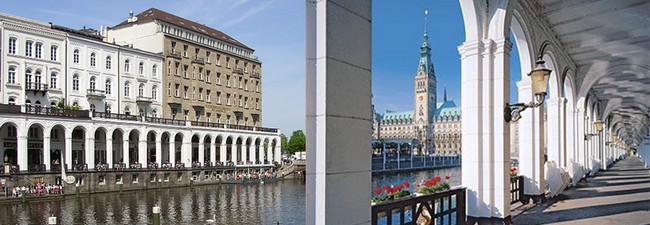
point(280, 202)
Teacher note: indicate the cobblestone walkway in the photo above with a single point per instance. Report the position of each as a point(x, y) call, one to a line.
point(620, 195)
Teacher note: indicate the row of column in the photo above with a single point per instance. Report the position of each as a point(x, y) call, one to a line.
point(89, 149)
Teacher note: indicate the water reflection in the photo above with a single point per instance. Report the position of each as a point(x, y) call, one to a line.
point(267, 203)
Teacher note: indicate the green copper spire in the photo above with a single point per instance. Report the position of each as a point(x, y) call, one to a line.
point(425, 51)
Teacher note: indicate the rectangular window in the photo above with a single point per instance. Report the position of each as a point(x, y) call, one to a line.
point(185, 69)
point(169, 89)
point(218, 97)
point(178, 87)
point(185, 50)
point(186, 90)
point(207, 76)
point(28, 48)
point(227, 99)
point(201, 94)
point(207, 95)
point(39, 50)
point(207, 56)
point(227, 80)
point(194, 93)
point(218, 60)
point(228, 62)
point(12, 45)
point(177, 65)
point(53, 52)
point(219, 78)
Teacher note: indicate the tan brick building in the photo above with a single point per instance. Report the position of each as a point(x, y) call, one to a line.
point(208, 75)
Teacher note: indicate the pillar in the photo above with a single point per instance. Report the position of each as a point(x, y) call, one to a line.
point(251, 152)
point(201, 156)
point(277, 155)
point(563, 162)
point(260, 152)
point(159, 155)
point(338, 112)
point(142, 150)
point(222, 152)
point(531, 150)
point(90, 151)
point(213, 153)
point(186, 151)
point(21, 149)
point(172, 152)
point(233, 153)
point(243, 151)
point(68, 151)
point(553, 123)
point(46, 151)
point(109, 152)
point(125, 152)
point(580, 138)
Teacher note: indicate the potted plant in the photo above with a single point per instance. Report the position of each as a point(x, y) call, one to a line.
point(433, 185)
point(390, 192)
point(513, 171)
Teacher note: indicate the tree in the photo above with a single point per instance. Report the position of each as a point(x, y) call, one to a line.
point(297, 142)
point(283, 142)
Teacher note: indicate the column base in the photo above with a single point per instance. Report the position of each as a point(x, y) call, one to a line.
point(489, 220)
point(535, 198)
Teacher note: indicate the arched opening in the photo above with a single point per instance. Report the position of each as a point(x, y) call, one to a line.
point(79, 148)
point(35, 148)
point(195, 149)
point(118, 147)
point(230, 157)
point(165, 147)
point(57, 148)
point(207, 141)
point(151, 149)
point(100, 146)
point(218, 156)
point(250, 155)
point(9, 134)
point(259, 155)
point(178, 144)
point(240, 153)
point(134, 148)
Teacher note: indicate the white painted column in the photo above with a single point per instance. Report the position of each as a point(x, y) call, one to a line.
point(213, 153)
point(68, 151)
point(251, 152)
point(338, 112)
point(21, 150)
point(159, 155)
point(172, 152)
point(142, 150)
point(46, 151)
point(486, 136)
point(244, 150)
point(201, 156)
point(277, 153)
point(186, 150)
point(90, 151)
point(563, 162)
point(125, 152)
point(531, 151)
point(553, 122)
point(260, 152)
point(581, 149)
point(233, 153)
point(570, 136)
point(109, 151)
point(222, 153)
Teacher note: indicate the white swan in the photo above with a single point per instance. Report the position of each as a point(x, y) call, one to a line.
point(214, 219)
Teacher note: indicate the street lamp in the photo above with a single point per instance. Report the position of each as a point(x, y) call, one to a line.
point(539, 76)
point(599, 127)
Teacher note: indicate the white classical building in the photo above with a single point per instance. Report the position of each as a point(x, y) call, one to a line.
point(118, 89)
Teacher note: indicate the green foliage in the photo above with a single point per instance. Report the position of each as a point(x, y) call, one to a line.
point(390, 196)
point(437, 187)
point(61, 105)
point(283, 141)
point(297, 142)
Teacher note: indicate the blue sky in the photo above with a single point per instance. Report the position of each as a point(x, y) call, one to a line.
point(276, 30)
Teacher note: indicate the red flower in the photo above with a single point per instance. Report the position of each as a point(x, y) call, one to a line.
point(406, 184)
point(513, 169)
point(386, 187)
point(447, 177)
point(378, 191)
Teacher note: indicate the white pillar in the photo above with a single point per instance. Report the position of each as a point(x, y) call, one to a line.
point(338, 112)
point(260, 152)
point(277, 153)
point(581, 149)
point(554, 146)
point(233, 152)
point(244, 150)
point(172, 151)
point(563, 133)
point(109, 151)
point(213, 152)
point(251, 152)
point(222, 152)
point(186, 151)
point(68, 152)
point(90, 151)
point(201, 156)
point(46, 151)
point(159, 155)
point(142, 150)
point(531, 151)
point(125, 152)
point(21, 150)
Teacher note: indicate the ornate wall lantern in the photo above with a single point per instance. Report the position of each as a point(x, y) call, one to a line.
point(539, 77)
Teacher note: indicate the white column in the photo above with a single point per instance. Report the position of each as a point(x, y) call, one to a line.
point(251, 152)
point(563, 133)
point(46, 151)
point(159, 155)
point(213, 153)
point(531, 151)
point(338, 112)
point(172, 151)
point(485, 80)
point(109, 151)
point(581, 149)
point(222, 153)
point(21, 150)
point(201, 155)
point(260, 152)
point(554, 135)
point(68, 152)
point(277, 153)
point(244, 150)
point(142, 150)
point(90, 151)
point(125, 152)
point(233, 152)
point(186, 151)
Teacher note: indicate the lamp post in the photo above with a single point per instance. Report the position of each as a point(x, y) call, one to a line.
point(539, 77)
point(598, 124)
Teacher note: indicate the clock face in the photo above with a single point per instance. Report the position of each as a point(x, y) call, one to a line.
point(421, 98)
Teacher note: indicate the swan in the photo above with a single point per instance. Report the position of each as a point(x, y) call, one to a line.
point(214, 219)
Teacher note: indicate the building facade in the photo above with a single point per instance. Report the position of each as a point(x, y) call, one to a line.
point(208, 76)
point(432, 126)
point(112, 112)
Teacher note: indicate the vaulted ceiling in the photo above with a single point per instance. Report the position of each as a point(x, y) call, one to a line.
point(609, 42)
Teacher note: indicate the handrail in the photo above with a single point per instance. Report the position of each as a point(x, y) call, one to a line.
point(516, 189)
point(439, 206)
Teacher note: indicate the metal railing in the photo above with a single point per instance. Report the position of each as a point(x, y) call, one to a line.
point(106, 115)
point(36, 168)
point(33, 86)
point(46, 111)
point(101, 167)
point(172, 53)
point(207, 124)
point(516, 189)
point(95, 93)
point(198, 60)
point(447, 207)
point(165, 121)
point(240, 127)
point(80, 167)
point(255, 75)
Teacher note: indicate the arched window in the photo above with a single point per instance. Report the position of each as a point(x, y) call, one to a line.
point(92, 107)
point(75, 56)
point(12, 45)
point(127, 88)
point(11, 75)
point(108, 108)
point(92, 59)
point(108, 87)
point(12, 101)
point(141, 68)
point(92, 83)
point(127, 111)
point(153, 113)
point(28, 76)
point(28, 102)
point(53, 80)
point(108, 62)
point(38, 78)
point(75, 82)
point(141, 90)
point(126, 65)
point(154, 70)
point(154, 92)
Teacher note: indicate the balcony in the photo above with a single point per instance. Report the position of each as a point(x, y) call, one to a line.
point(94, 94)
point(238, 70)
point(198, 60)
point(143, 100)
point(174, 54)
point(256, 75)
point(446, 207)
point(36, 87)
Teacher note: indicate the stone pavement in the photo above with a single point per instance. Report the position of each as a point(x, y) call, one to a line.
point(620, 195)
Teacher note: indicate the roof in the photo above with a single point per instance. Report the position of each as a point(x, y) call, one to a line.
point(390, 115)
point(442, 109)
point(152, 14)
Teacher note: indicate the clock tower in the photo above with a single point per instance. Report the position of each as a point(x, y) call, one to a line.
point(425, 96)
